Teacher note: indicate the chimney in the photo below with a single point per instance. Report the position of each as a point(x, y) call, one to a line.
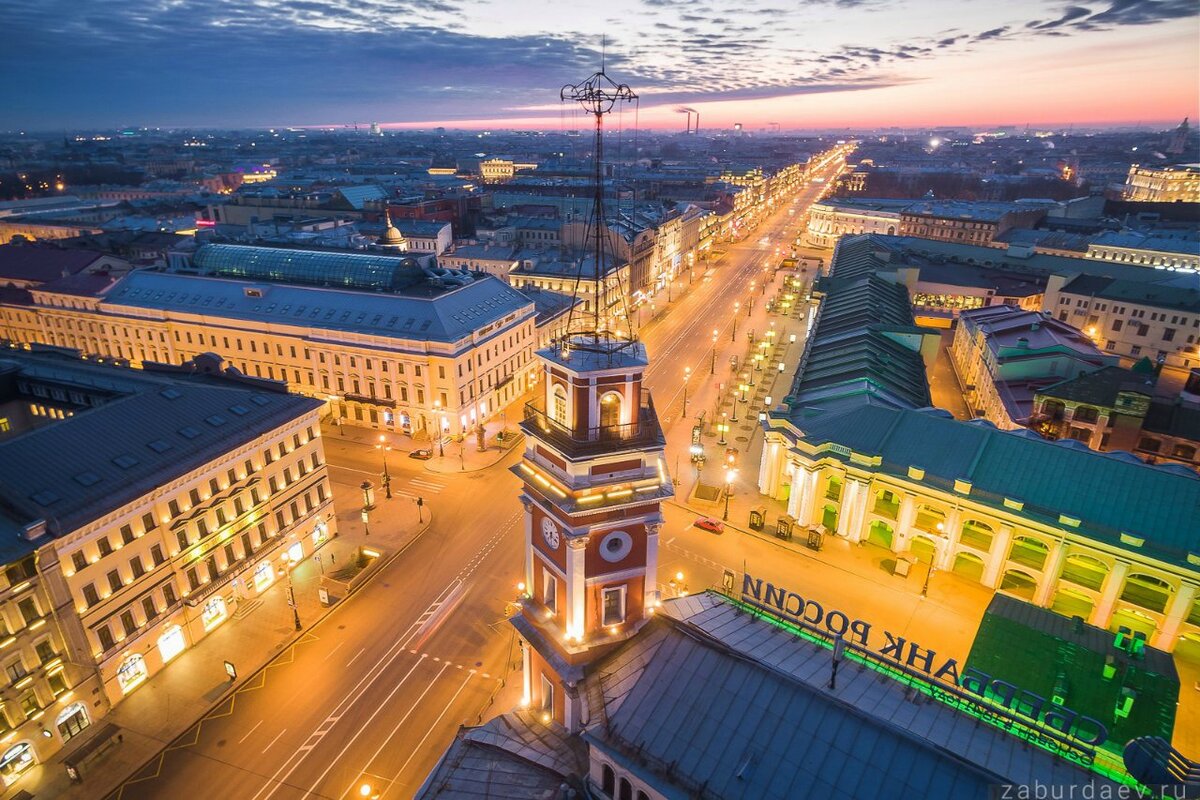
point(35, 530)
point(1023, 343)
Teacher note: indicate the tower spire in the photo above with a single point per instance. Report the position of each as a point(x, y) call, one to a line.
point(598, 95)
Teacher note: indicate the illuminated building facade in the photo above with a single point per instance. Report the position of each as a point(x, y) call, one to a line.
point(856, 448)
point(1174, 184)
point(389, 342)
point(190, 490)
point(594, 479)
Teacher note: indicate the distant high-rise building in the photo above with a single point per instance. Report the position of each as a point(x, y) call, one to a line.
point(1177, 142)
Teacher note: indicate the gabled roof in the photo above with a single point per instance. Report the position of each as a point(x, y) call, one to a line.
point(710, 701)
point(39, 263)
point(358, 196)
point(1050, 478)
point(1179, 295)
point(154, 428)
point(1100, 388)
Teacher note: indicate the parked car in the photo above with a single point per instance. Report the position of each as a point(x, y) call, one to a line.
point(710, 524)
point(423, 455)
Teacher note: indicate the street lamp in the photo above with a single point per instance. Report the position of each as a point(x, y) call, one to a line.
point(730, 475)
point(723, 428)
point(292, 590)
point(712, 368)
point(687, 374)
point(736, 308)
point(383, 448)
point(441, 425)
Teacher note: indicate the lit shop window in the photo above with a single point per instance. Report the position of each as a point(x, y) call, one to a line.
point(320, 533)
point(15, 761)
point(213, 613)
point(263, 576)
point(72, 720)
point(171, 643)
point(296, 552)
point(131, 673)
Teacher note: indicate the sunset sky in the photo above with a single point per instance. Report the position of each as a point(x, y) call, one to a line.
point(472, 63)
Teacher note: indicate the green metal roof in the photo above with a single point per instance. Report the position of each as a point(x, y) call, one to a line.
point(1108, 494)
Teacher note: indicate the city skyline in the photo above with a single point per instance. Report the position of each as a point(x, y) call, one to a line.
point(847, 63)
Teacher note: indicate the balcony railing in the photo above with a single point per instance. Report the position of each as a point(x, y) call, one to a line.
point(644, 431)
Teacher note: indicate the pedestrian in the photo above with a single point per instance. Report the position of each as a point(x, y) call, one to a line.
point(332, 558)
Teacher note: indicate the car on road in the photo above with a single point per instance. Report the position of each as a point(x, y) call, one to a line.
point(709, 524)
point(423, 455)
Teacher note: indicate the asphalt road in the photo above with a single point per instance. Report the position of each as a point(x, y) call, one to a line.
point(375, 691)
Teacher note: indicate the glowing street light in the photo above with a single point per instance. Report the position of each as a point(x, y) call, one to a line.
point(730, 476)
point(383, 447)
point(712, 367)
point(687, 374)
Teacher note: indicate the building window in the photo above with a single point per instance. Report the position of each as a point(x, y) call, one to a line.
point(1149, 445)
point(79, 560)
point(126, 534)
point(106, 638)
point(169, 594)
point(29, 611)
point(90, 595)
point(549, 590)
point(72, 720)
point(614, 605)
point(114, 581)
point(105, 546)
point(128, 623)
point(156, 555)
point(132, 672)
point(558, 409)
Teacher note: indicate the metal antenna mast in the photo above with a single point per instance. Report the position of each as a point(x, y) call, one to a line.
point(598, 94)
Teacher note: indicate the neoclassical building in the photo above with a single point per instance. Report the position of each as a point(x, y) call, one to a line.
point(387, 341)
point(856, 448)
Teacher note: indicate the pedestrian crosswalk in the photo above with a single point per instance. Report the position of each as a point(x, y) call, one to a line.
point(421, 487)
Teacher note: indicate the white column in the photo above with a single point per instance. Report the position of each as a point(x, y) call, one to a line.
point(526, 672)
point(951, 532)
point(576, 584)
point(852, 509)
point(650, 587)
point(1044, 593)
point(1109, 591)
point(1098, 432)
point(528, 547)
point(994, 567)
point(904, 522)
point(1177, 611)
point(804, 494)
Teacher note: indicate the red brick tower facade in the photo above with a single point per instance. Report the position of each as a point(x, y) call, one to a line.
point(595, 477)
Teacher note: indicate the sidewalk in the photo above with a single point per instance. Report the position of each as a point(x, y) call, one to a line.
point(454, 455)
point(195, 682)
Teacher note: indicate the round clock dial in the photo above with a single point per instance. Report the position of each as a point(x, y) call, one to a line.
point(550, 533)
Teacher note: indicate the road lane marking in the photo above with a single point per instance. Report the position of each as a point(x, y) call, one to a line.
point(376, 670)
point(273, 741)
point(334, 650)
point(417, 749)
point(356, 655)
point(252, 730)
point(362, 728)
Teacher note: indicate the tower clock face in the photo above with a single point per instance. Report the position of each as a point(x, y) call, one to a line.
point(550, 533)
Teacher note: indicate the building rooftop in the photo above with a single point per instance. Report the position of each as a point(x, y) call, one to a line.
point(41, 263)
point(333, 268)
point(978, 212)
point(767, 725)
point(1051, 479)
point(1179, 295)
point(436, 315)
point(1101, 387)
point(1010, 332)
point(511, 757)
point(136, 430)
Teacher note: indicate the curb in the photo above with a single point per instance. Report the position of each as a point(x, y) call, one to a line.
point(500, 457)
point(290, 642)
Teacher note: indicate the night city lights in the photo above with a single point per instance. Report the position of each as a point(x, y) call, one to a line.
point(640, 400)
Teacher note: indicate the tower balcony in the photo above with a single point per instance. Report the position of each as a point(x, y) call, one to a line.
point(642, 433)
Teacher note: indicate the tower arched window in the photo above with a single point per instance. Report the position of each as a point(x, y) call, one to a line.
point(610, 411)
point(608, 780)
point(558, 406)
point(626, 792)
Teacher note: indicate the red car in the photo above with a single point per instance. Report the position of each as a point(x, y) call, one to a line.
point(710, 524)
point(423, 455)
